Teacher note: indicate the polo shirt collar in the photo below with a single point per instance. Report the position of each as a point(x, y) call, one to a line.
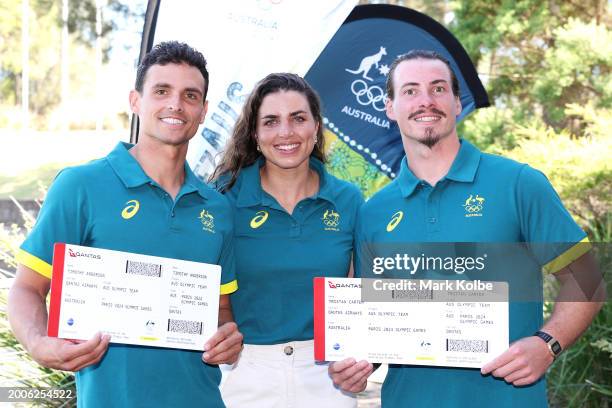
point(192, 184)
point(463, 169)
point(252, 194)
point(326, 183)
point(466, 163)
point(126, 167)
point(129, 171)
point(406, 179)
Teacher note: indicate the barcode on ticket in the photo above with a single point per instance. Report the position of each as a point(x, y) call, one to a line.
point(184, 326)
point(470, 346)
point(143, 268)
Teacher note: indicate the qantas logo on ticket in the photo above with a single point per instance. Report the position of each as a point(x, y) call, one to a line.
point(77, 254)
point(333, 285)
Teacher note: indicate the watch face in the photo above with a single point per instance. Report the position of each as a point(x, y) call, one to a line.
point(555, 347)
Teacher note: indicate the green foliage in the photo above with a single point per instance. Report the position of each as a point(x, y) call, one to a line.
point(45, 39)
point(29, 183)
point(539, 56)
point(490, 129)
point(44, 53)
point(576, 70)
point(548, 72)
point(582, 376)
point(17, 368)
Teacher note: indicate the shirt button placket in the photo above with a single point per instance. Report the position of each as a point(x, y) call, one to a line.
point(296, 218)
point(295, 229)
point(433, 207)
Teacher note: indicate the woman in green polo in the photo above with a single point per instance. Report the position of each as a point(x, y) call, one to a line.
point(293, 222)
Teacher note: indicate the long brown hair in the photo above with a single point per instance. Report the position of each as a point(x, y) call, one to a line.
point(241, 149)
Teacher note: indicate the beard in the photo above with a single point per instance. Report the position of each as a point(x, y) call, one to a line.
point(430, 138)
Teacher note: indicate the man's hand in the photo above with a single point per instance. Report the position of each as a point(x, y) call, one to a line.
point(523, 363)
point(224, 346)
point(350, 375)
point(27, 312)
point(69, 356)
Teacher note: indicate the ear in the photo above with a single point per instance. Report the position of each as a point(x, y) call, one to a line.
point(135, 101)
point(458, 105)
point(204, 112)
point(389, 109)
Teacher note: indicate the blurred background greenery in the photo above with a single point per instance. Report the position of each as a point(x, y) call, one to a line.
point(545, 64)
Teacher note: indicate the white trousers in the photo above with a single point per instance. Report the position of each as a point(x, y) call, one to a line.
point(282, 376)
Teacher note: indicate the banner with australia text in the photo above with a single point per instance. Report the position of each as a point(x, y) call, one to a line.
point(343, 50)
point(362, 144)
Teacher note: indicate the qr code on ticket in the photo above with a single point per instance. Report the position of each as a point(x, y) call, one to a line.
point(471, 346)
point(184, 326)
point(143, 268)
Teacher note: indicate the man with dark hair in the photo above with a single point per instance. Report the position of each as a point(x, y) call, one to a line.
point(172, 52)
point(448, 192)
point(141, 199)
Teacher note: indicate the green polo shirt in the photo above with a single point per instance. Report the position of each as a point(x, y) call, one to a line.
point(278, 254)
point(112, 204)
point(483, 199)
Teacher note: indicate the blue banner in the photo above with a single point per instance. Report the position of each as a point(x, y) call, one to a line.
point(363, 145)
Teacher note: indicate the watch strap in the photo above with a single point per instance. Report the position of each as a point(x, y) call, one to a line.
point(553, 345)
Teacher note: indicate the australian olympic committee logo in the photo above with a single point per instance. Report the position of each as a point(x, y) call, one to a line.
point(473, 206)
point(208, 221)
point(364, 93)
point(367, 94)
point(331, 220)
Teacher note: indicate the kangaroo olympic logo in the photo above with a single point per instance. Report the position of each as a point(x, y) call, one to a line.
point(365, 94)
point(369, 95)
point(474, 205)
point(371, 61)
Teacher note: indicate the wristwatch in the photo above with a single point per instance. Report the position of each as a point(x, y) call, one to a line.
point(553, 345)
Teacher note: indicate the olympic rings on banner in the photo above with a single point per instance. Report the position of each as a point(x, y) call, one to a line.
point(373, 95)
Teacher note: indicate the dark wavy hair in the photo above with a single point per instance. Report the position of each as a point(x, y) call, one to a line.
point(172, 52)
point(241, 149)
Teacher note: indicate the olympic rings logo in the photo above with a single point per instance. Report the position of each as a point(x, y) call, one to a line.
point(331, 223)
point(473, 208)
point(373, 95)
point(331, 218)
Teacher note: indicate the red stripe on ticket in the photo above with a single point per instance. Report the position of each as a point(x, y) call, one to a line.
point(319, 319)
point(59, 252)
